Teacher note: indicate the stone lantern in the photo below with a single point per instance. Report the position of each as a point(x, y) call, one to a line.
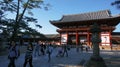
point(95, 60)
point(95, 30)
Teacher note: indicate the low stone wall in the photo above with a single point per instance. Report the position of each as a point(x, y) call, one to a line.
point(105, 47)
point(116, 47)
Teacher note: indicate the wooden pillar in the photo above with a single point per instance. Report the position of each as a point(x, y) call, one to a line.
point(60, 38)
point(67, 37)
point(110, 38)
point(76, 37)
point(88, 38)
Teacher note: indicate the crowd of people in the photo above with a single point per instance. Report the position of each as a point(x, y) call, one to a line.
point(35, 50)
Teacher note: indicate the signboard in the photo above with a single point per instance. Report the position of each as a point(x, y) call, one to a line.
point(82, 39)
point(105, 39)
point(63, 38)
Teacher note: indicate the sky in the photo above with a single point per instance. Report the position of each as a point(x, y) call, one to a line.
point(59, 8)
point(65, 7)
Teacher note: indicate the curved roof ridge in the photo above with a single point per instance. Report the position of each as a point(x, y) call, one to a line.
point(87, 16)
point(107, 11)
point(116, 15)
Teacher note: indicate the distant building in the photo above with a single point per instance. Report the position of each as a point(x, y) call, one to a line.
point(74, 29)
point(115, 38)
point(53, 38)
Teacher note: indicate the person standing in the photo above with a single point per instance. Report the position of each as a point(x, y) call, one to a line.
point(13, 54)
point(86, 47)
point(77, 48)
point(28, 55)
point(43, 48)
point(81, 46)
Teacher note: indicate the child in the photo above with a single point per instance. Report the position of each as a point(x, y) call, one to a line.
point(28, 55)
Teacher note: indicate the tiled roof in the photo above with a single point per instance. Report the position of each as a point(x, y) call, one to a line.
point(52, 35)
point(115, 33)
point(86, 16)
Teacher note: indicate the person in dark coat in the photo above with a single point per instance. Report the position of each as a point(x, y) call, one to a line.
point(65, 50)
point(42, 49)
point(13, 54)
point(28, 55)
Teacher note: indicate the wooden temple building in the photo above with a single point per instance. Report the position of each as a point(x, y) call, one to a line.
point(75, 29)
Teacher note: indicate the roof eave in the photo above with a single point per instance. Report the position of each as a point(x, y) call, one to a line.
point(114, 19)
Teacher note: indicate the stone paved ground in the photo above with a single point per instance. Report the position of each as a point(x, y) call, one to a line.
point(112, 58)
point(72, 60)
point(75, 59)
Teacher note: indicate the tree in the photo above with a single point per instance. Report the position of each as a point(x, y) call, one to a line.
point(19, 23)
point(116, 3)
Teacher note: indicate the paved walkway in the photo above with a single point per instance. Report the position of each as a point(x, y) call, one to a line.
point(112, 58)
point(75, 59)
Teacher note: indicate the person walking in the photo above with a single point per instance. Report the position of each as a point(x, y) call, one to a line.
point(28, 55)
point(60, 52)
point(49, 51)
point(13, 54)
point(37, 50)
point(65, 50)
